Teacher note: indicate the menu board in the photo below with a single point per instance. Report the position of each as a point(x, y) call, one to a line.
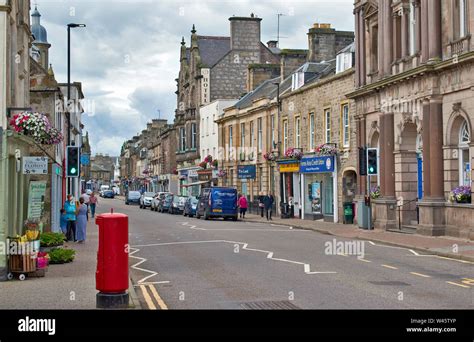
point(36, 195)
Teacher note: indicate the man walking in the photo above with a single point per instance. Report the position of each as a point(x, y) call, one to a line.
point(268, 203)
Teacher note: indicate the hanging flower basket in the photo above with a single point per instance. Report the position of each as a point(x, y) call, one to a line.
point(461, 194)
point(203, 165)
point(270, 156)
point(294, 153)
point(36, 126)
point(325, 150)
point(221, 173)
point(208, 159)
point(214, 164)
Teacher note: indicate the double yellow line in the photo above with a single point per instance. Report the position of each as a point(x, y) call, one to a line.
point(156, 296)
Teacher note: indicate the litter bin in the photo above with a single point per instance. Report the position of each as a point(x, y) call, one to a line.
point(348, 213)
point(285, 210)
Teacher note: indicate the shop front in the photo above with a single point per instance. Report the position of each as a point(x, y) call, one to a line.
point(289, 188)
point(189, 184)
point(246, 175)
point(319, 188)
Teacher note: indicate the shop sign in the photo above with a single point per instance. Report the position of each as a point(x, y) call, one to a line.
point(288, 168)
point(36, 195)
point(35, 165)
point(183, 173)
point(246, 172)
point(193, 173)
point(310, 164)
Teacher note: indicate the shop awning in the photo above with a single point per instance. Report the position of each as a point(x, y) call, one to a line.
point(196, 183)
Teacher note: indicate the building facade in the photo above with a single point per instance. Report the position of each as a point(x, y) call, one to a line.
point(414, 102)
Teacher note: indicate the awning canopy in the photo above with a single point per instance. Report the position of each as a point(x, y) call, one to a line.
point(196, 183)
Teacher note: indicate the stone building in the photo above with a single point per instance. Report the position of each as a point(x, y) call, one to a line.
point(212, 68)
point(414, 101)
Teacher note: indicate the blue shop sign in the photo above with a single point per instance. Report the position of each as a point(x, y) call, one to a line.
point(183, 173)
point(246, 172)
point(311, 164)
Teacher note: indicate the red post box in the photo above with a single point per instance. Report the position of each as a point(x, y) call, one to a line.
point(112, 261)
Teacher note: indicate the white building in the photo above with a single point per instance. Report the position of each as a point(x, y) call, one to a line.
point(209, 138)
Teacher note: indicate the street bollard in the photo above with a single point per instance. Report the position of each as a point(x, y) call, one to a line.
point(112, 262)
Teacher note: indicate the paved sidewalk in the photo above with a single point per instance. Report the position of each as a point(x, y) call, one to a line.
point(442, 246)
point(67, 286)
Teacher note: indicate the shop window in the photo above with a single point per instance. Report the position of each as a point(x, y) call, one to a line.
point(464, 155)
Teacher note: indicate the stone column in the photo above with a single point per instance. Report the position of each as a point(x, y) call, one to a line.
point(424, 30)
point(358, 53)
point(362, 56)
point(434, 29)
point(436, 149)
point(389, 163)
point(382, 152)
point(404, 40)
point(426, 149)
point(385, 40)
point(418, 26)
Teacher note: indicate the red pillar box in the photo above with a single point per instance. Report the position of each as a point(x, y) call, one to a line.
point(112, 261)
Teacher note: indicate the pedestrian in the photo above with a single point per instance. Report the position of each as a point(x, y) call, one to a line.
point(243, 205)
point(86, 197)
point(70, 208)
point(261, 205)
point(81, 221)
point(93, 201)
point(268, 202)
point(63, 221)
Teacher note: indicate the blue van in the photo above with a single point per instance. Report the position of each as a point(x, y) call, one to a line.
point(217, 202)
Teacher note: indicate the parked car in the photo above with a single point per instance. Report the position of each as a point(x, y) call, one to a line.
point(108, 194)
point(145, 199)
point(165, 204)
point(177, 206)
point(133, 197)
point(217, 202)
point(190, 206)
point(155, 203)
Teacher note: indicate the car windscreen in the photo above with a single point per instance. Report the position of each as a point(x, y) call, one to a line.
point(133, 194)
point(193, 200)
point(148, 194)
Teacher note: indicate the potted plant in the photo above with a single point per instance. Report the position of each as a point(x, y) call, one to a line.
point(61, 256)
point(375, 192)
point(51, 240)
point(215, 163)
point(221, 173)
point(461, 194)
point(270, 156)
point(203, 165)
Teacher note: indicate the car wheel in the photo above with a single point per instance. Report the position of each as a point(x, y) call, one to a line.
point(234, 218)
point(184, 213)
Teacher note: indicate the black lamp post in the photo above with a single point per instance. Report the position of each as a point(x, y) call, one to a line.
point(68, 116)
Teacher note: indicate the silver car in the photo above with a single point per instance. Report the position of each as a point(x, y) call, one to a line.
point(145, 199)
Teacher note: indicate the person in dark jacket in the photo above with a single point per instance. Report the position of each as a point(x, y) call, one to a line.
point(268, 202)
point(261, 205)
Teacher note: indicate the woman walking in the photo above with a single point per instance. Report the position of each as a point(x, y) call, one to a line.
point(70, 208)
point(81, 221)
point(243, 204)
point(93, 203)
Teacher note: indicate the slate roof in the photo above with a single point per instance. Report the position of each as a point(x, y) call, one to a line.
point(212, 49)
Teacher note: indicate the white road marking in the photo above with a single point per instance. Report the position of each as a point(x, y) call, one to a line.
point(135, 266)
point(152, 283)
point(193, 227)
point(307, 267)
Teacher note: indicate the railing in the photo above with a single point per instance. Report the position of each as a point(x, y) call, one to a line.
point(400, 210)
point(460, 46)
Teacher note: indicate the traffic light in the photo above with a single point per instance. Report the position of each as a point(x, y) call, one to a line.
point(72, 161)
point(372, 161)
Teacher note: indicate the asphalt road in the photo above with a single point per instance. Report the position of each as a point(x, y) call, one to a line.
point(185, 263)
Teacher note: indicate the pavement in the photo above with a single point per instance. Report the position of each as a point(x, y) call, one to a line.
point(66, 286)
point(443, 246)
point(185, 263)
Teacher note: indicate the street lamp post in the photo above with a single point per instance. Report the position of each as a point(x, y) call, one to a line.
point(272, 177)
point(68, 116)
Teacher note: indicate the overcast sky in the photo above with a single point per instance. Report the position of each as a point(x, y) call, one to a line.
point(127, 57)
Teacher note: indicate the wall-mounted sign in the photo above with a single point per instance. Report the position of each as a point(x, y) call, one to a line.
point(246, 172)
point(205, 89)
point(310, 164)
point(288, 168)
point(36, 195)
point(85, 159)
point(35, 165)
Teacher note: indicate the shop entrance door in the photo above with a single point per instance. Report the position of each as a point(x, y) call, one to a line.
point(328, 197)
